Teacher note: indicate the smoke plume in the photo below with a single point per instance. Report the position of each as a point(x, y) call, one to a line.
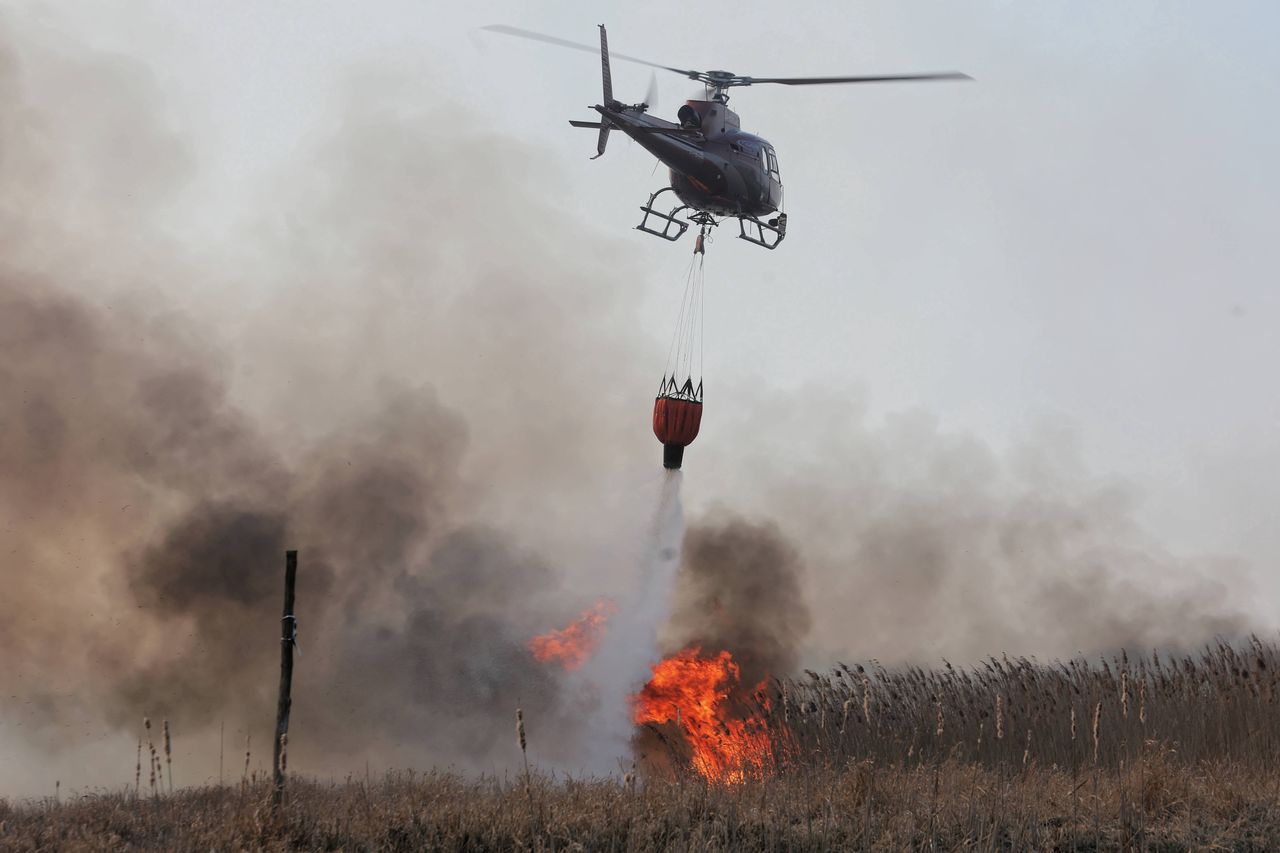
point(919, 545)
point(740, 589)
point(156, 467)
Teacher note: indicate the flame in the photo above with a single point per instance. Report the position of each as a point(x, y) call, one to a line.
point(573, 645)
point(698, 695)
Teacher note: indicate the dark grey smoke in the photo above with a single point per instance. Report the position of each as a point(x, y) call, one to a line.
point(740, 589)
point(414, 624)
point(145, 508)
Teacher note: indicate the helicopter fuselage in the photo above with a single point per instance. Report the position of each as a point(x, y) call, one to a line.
point(715, 166)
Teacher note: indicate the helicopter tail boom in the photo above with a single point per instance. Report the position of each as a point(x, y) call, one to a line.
point(612, 108)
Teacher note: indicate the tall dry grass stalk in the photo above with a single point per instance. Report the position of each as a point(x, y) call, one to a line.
point(524, 743)
point(151, 747)
point(1124, 695)
point(1097, 720)
point(248, 753)
point(168, 755)
point(1097, 804)
point(528, 780)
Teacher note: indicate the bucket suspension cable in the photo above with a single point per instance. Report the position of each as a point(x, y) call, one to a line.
point(684, 358)
point(677, 410)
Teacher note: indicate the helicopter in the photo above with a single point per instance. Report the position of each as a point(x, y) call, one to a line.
point(718, 170)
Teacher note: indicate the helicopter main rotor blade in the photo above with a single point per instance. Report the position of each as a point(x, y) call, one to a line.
point(880, 78)
point(529, 34)
point(723, 79)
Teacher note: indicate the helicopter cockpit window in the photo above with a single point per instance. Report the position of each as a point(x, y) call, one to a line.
point(772, 162)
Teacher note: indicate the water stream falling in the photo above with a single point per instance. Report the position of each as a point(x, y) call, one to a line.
point(630, 647)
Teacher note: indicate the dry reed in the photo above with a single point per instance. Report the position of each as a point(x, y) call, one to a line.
point(1183, 753)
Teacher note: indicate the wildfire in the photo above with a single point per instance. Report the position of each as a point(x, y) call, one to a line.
point(698, 694)
point(574, 644)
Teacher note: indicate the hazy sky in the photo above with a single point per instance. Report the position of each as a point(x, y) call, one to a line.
point(1081, 240)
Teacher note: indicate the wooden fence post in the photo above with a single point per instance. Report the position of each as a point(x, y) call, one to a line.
point(288, 639)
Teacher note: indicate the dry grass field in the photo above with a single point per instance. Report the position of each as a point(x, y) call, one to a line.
point(1118, 754)
point(953, 806)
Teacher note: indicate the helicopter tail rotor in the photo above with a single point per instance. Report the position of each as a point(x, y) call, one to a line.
point(651, 96)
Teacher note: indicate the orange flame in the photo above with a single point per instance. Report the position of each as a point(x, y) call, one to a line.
point(573, 645)
point(697, 694)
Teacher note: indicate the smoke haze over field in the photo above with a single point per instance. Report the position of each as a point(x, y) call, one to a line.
point(146, 505)
point(419, 367)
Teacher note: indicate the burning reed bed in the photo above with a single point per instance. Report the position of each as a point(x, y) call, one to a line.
point(1147, 753)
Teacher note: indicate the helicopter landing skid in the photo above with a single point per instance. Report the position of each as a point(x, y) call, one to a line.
point(768, 234)
point(668, 219)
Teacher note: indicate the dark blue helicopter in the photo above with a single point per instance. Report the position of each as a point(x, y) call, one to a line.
point(717, 169)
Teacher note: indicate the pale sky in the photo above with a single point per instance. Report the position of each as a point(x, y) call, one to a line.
point(1081, 238)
